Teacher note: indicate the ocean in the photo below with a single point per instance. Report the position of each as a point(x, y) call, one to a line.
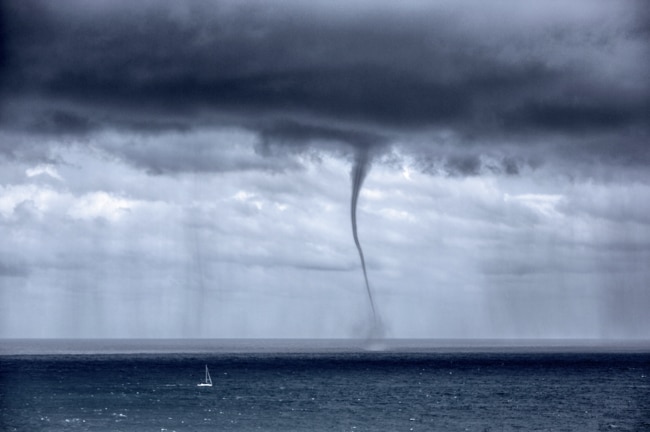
point(351, 386)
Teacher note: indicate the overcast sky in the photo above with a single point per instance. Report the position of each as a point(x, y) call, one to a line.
point(183, 169)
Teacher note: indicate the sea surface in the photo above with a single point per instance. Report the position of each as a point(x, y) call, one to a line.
point(354, 386)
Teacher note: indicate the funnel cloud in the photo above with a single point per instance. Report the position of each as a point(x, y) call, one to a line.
point(359, 171)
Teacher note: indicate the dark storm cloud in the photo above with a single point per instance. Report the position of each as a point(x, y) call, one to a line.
point(568, 116)
point(360, 73)
point(468, 165)
point(294, 135)
point(458, 164)
point(58, 121)
point(13, 268)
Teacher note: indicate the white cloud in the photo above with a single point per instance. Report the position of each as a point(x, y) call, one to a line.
point(100, 204)
point(545, 205)
point(42, 198)
point(46, 169)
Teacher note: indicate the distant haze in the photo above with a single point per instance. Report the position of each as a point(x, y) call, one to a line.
point(182, 169)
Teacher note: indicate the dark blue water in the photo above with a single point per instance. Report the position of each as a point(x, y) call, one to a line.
point(328, 391)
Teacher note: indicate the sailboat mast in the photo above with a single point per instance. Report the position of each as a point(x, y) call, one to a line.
point(208, 381)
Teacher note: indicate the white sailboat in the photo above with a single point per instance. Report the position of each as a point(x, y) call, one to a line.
point(208, 380)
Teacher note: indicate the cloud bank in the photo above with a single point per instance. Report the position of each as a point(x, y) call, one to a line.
point(466, 73)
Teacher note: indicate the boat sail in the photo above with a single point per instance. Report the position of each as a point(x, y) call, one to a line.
point(208, 380)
